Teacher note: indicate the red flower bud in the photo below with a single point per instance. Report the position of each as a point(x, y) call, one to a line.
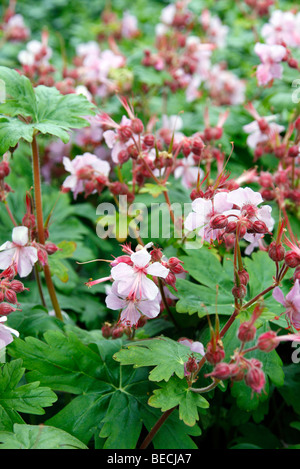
point(231, 227)
point(137, 126)
point(218, 221)
point(4, 169)
point(106, 330)
point(125, 132)
point(117, 332)
point(42, 255)
point(263, 125)
point(175, 266)
point(191, 365)
point(123, 156)
point(259, 227)
point(239, 291)
point(292, 63)
point(215, 354)
point(255, 379)
point(196, 193)
point(243, 276)
point(6, 309)
point(197, 146)
point(149, 140)
point(276, 252)
point(267, 341)
point(156, 255)
point(246, 332)
point(17, 286)
point(223, 371)
point(11, 296)
point(293, 151)
point(51, 248)
point(292, 259)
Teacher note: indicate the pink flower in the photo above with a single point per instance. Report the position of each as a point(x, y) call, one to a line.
point(203, 211)
point(292, 304)
point(194, 346)
point(129, 25)
point(269, 340)
point(257, 136)
point(82, 169)
point(6, 333)
point(270, 56)
point(117, 139)
point(18, 252)
point(247, 201)
point(132, 309)
point(283, 27)
point(132, 281)
point(188, 172)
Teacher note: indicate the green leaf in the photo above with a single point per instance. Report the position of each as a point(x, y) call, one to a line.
point(166, 356)
point(176, 392)
point(205, 267)
point(11, 131)
point(41, 109)
point(108, 396)
point(291, 386)
point(38, 437)
point(154, 189)
point(28, 398)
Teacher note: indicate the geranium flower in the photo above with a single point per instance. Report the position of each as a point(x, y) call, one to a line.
point(132, 309)
point(256, 136)
point(270, 56)
point(203, 211)
point(82, 169)
point(132, 281)
point(18, 252)
point(246, 200)
point(292, 304)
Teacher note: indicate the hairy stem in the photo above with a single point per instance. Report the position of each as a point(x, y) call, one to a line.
point(40, 223)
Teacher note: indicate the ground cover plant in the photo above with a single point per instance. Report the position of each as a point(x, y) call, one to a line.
point(149, 236)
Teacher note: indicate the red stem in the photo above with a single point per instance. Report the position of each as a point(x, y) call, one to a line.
point(40, 223)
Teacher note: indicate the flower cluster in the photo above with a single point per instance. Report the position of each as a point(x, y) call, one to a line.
point(187, 58)
point(221, 213)
point(241, 368)
point(138, 277)
point(13, 26)
point(281, 33)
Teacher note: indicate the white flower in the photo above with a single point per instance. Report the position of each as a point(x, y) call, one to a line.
point(132, 281)
point(18, 252)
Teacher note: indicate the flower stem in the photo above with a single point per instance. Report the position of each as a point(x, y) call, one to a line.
point(40, 223)
point(156, 427)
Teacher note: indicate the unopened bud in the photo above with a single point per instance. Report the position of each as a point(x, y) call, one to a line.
point(215, 354)
point(106, 330)
point(276, 252)
point(267, 341)
point(292, 259)
point(51, 248)
point(191, 365)
point(239, 291)
point(218, 222)
point(255, 379)
point(246, 332)
point(149, 140)
point(6, 309)
point(137, 126)
point(17, 286)
point(11, 296)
